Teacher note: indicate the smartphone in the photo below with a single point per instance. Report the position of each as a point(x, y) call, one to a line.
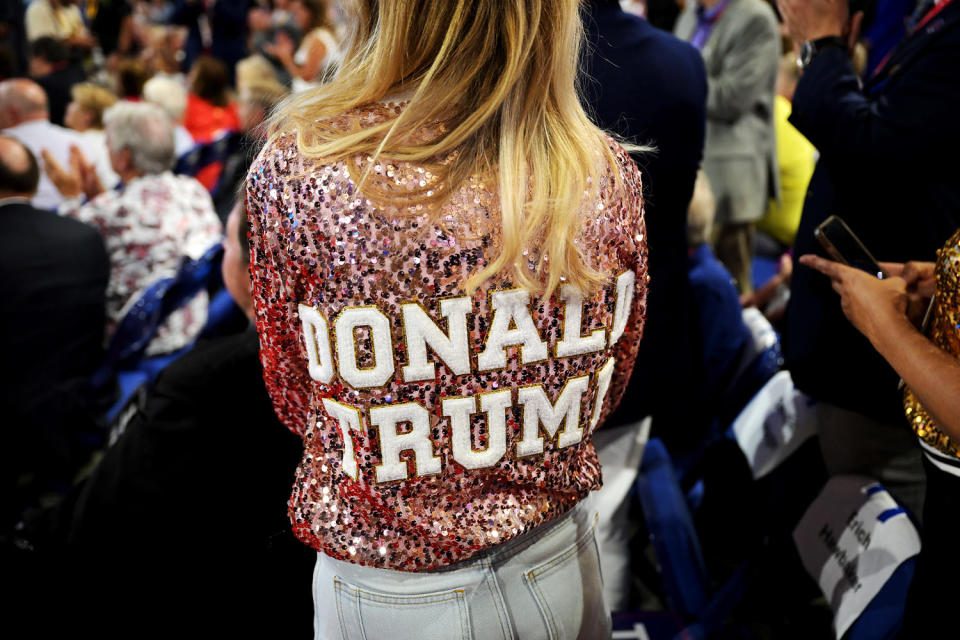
point(844, 246)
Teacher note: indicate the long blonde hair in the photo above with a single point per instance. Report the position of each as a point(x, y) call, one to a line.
point(501, 76)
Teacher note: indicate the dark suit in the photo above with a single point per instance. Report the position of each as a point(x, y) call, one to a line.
point(53, 278)
point(651, 88)
point(887, 167)
point(187, 512)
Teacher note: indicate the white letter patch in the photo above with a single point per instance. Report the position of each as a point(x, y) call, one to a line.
point(386, 419)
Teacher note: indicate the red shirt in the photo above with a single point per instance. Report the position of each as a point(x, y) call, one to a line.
point(205, 122)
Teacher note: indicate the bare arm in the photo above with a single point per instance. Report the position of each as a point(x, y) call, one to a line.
point(932, 373)
point(283, 51)
point(316, 54)
point(878, 309)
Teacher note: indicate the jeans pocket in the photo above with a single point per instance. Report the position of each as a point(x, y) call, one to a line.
point(366, 614)
point(568, 591)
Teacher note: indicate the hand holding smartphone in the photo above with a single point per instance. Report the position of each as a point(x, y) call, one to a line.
point(845, 247)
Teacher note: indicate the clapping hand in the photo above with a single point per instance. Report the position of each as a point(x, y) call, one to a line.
point(81, 178)
point(281, 48)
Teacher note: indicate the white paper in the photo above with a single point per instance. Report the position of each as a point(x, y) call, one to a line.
point(851, 540)
point(774, 424)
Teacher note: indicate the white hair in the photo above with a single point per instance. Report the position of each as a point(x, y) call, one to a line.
point(145, 130)
point(168, 94)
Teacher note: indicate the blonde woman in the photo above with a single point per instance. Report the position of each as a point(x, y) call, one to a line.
point(449, 265)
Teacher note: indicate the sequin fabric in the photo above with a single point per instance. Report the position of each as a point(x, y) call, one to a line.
point(316, 240)
point(944, 331)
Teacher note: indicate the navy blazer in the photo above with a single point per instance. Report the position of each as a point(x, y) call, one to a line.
point(650, 88)
point(888, 168)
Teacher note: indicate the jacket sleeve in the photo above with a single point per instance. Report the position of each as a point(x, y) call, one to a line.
point(274, 276)
point(748, 70)
point(634, 250)
point(915, 121)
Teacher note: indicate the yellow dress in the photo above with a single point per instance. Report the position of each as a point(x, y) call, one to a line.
point(944, 331)
point(796, 158)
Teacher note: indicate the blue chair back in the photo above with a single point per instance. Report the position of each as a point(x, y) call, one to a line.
point(145, 317)
point(672, 533)
point(883, 617)
point(134, 331)
point(219, 149)
point(189, 163)
point(207, 153)
point(191, 278)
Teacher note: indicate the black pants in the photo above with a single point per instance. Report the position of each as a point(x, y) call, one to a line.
point(933, 597)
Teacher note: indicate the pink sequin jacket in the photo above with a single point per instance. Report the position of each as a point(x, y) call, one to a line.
point(435, 424)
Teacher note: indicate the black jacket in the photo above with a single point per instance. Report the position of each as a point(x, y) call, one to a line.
point(53, 278)
point(650, 88)
point(187, 511)
point(888, 167)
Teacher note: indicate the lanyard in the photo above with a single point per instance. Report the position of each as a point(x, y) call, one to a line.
point(934, 11)
point(710, 20)
point(930, 15)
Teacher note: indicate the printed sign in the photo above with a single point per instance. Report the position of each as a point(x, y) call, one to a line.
point(774, 424)
point(851, 540)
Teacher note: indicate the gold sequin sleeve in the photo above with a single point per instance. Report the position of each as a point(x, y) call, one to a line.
point(944, 331)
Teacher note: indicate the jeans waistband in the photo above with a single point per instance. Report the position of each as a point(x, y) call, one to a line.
point(581, 512)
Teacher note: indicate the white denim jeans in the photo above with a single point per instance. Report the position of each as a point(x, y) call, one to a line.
point(544, 584)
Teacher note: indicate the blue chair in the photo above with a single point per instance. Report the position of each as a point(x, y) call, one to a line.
point(139, 326)
point(189, 163)
point(130, 387)
point(124, 362)
point(192, 278)
point(206, 153)
point(883, 617)
point(677, 546)
point(762, 360)
point(134, 332)
point(672, 533)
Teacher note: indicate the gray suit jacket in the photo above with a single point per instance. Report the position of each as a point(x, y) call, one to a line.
point(741, 56)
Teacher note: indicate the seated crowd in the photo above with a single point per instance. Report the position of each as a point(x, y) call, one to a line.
point(126, 135)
